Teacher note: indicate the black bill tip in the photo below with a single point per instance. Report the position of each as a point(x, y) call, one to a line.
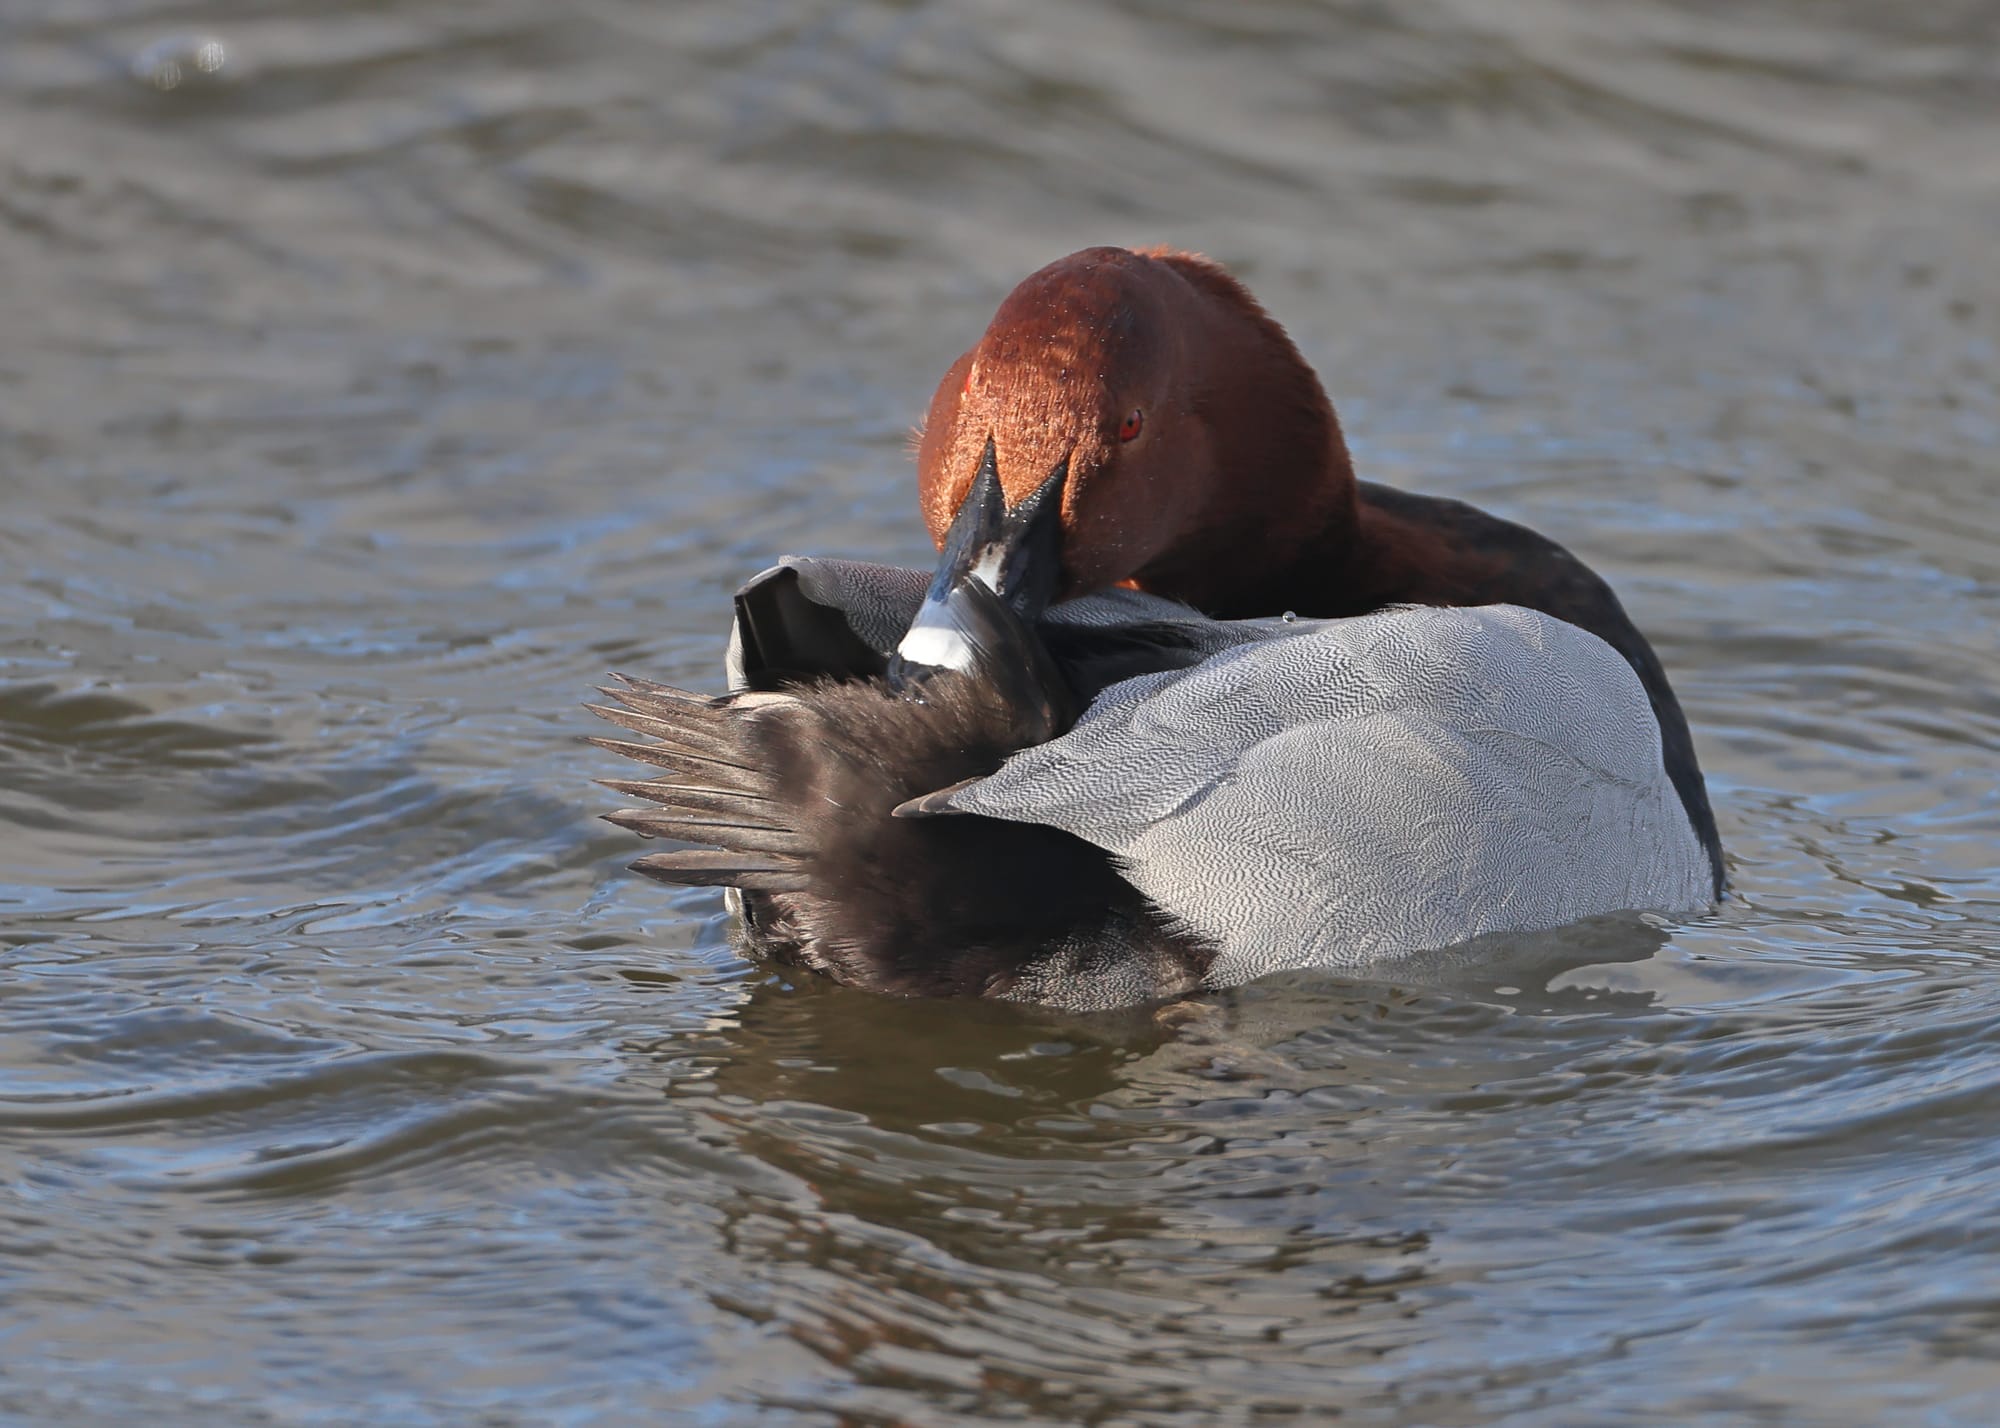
point(1014, 555)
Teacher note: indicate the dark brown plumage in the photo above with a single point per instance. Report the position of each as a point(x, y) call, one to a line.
point(795, 797)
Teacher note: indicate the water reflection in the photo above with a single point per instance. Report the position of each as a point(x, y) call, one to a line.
point(983, 1184)
point(997, 1210)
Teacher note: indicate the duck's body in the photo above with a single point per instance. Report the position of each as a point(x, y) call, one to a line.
point(1273, 795)
point(1475, 738)
point(1200, 459)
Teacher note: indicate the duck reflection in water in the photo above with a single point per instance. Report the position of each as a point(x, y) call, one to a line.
point(944, 1174)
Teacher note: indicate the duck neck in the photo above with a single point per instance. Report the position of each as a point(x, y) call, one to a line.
point(1280, 495)
point(1279, 542)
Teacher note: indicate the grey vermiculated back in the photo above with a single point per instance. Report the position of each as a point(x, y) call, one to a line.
point(1362, 788)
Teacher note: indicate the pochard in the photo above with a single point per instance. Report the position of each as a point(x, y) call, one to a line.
point(1183, 702)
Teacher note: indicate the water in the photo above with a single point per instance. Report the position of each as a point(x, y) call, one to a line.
point(377, 375)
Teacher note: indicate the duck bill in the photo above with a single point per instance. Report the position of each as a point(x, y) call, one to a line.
point(1015, 553)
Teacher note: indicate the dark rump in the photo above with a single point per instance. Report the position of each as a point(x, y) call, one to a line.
point(794, 795)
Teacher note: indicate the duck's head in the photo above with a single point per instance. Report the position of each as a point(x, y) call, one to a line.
point(1139, 419)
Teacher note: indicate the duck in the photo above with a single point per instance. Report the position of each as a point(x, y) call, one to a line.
point(1183, 701)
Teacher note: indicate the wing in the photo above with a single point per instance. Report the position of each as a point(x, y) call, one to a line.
point(804, 618)
point(1366, 787)
point(807, 618)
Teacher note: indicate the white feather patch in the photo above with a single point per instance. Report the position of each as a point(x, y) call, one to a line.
point(936, 641)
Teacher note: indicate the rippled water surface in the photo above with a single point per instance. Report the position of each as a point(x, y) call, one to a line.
point(376, 375)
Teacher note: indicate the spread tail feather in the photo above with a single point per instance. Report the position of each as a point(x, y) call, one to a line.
point(723, 798)
point(821, 802)
point(704, 868)
point(751, 775)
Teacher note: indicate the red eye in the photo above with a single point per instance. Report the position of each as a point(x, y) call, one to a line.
point(1134, 421)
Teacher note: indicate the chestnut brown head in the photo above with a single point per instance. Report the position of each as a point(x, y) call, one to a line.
point(1176, 421)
